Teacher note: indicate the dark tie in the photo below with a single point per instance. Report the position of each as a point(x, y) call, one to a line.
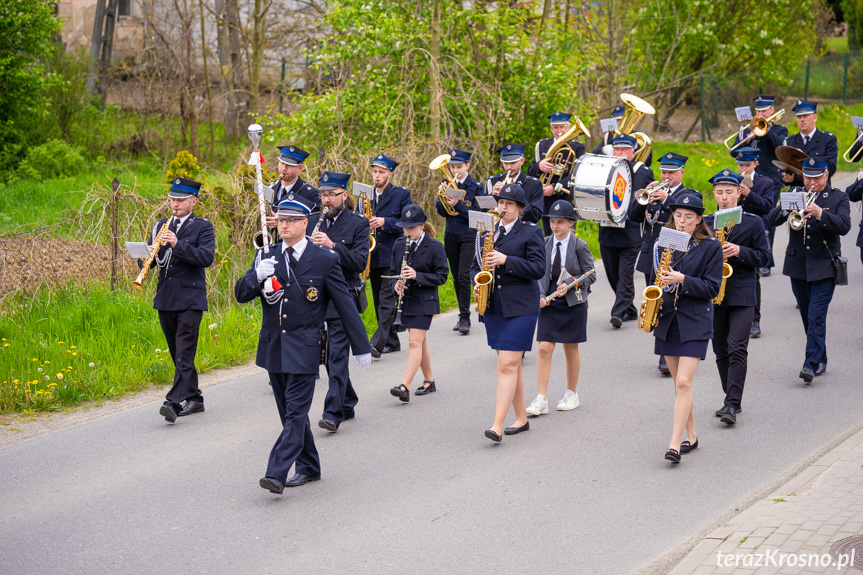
point(177, 228)
point(329, 223)
point(292, 261)
point(500, 236)
point(555, 265)
point(411, 250)
point(805, 140)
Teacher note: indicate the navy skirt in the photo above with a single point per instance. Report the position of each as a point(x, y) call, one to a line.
point(416, 321)
point(675, 348)
point(560, 323)
point(508, 333)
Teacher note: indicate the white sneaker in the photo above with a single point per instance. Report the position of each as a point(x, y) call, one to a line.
point(569, 401)
point(538, 406)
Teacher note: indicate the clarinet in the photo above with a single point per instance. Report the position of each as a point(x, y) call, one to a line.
point(401, 277)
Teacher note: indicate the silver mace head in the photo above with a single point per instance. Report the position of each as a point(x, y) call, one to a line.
point(256, 133)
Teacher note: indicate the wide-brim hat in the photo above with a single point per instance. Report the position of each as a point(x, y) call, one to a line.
point(688, 202)
point(412, 215)
point(514, 193)
point(184, 188)
point(561, 209)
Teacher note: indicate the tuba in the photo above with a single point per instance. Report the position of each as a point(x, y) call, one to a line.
point(562, 158)
point(726, 268)
point(636, 108)
point(158, 242)
point(442, 163)
point(484, 279)
point(759, 127)
point(649, 314)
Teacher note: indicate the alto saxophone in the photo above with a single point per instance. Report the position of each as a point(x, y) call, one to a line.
point(158, 242)
point(484, 280)
point(726, 268)
point(648, 317)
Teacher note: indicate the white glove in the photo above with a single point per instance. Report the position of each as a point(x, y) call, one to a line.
point(265, 269)
point(364, 360)
point(608, 150)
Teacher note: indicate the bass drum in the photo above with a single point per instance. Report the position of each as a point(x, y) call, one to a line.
point(601, 189)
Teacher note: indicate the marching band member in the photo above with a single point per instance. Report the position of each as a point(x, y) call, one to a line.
point(855, 194)
point(811, 140)
point(564, 319)
point(556, 189)
point(657, 213)
point(291, 162)
point(387, 207)
point(512, 158)
point(519, 260)
point(758, 200)
point(810, 256)
point(684, 329)
point(295, 287)
point(181, 293)
point(619, 247)
point(745, 248)
point(346, 233)
point(459, 237)
point(421, 260)
point(605, 148)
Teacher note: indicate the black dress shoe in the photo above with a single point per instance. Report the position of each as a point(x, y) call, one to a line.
point(328, 424)
point(755, 330)
point(514, 430)
point(376, 353)
point(299, 479)
point(464, 327)
point(628, 317)
point(686, 446)
point(663, 366)
point(719, 412)
point(822, 367)
point(806, 374)
point(729, 415)
point(616, 321)
point(492, 435)
point(673, 456)
point(391, 349)
point(764, 272)
point(457, 326)
point(272, 485)
point(192, 406)
point(401, 392)
point(424, 389)
point(168, 412)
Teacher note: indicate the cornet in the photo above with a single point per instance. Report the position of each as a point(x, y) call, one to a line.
point(796, 219)
point(642, 196)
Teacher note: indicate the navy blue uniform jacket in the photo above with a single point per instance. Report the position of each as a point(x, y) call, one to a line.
point(628, 236)
point(806, 257)
point(540, 150)
point(650, 232)
point(300, 188)
point(350, 236)
point(761, 198)
point(393, 200)
point(821, 144)
point(766, 146)
point(516, 280)
point(183, 284)
point(458, 224)
point(289, 341)
point(532, 193)
point(429, 261)
point(754, 253)
point(855, 194)
point(692, 305)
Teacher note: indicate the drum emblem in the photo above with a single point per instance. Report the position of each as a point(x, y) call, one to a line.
point(619, 191)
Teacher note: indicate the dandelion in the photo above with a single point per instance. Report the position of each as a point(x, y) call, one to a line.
point(46, 362)
point(35, 359)
point(59, 376)
point(73, 347)
point(157, 350)
point(39, 370)
point(74, 354)
point(47, 377)
point(60, 343)
point(92, 364)
point(212, 326)
point(14, 381)
point(5, 345)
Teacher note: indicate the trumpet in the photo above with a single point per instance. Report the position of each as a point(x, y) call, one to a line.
point(642, 196)
point(759, 127)
point(562, 158)
point(856, 155)
point(158, 242)
point(796, 219)
point(442, 163)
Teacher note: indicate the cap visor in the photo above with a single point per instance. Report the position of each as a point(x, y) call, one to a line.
point(179, 194)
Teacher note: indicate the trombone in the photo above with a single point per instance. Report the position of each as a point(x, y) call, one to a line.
point(856, 155)
point(758, 126)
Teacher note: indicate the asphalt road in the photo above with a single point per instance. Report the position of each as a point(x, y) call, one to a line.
point(416, 487)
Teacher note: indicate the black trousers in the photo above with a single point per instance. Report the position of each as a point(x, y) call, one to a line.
point(619, 266)
point(460, 249)
point(385, 307)
point(293, 393)
point(181, 333)
point(731, 325)
point(341, 397)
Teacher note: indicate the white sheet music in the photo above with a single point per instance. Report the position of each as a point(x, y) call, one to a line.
point(674, 239)
point(455, 192)
point(792, 200)
point(857, 121)
point(364, 191)
point(485, 202)
point(138, 250)
point(728, 217)
point(608, 124)
point(744, 114)
point(480, 220)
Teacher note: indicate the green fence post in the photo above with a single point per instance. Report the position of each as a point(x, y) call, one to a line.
point(703, 135)
point(806, 88)
point(282, 86)
point(845, 78)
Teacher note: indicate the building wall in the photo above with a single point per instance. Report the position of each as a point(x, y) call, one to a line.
point(77, 28)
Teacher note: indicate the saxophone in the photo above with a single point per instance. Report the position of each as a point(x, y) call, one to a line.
point(726, 268)
point(367, 212)
point(158, 242)
point(649, 315)
point(484, 280)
